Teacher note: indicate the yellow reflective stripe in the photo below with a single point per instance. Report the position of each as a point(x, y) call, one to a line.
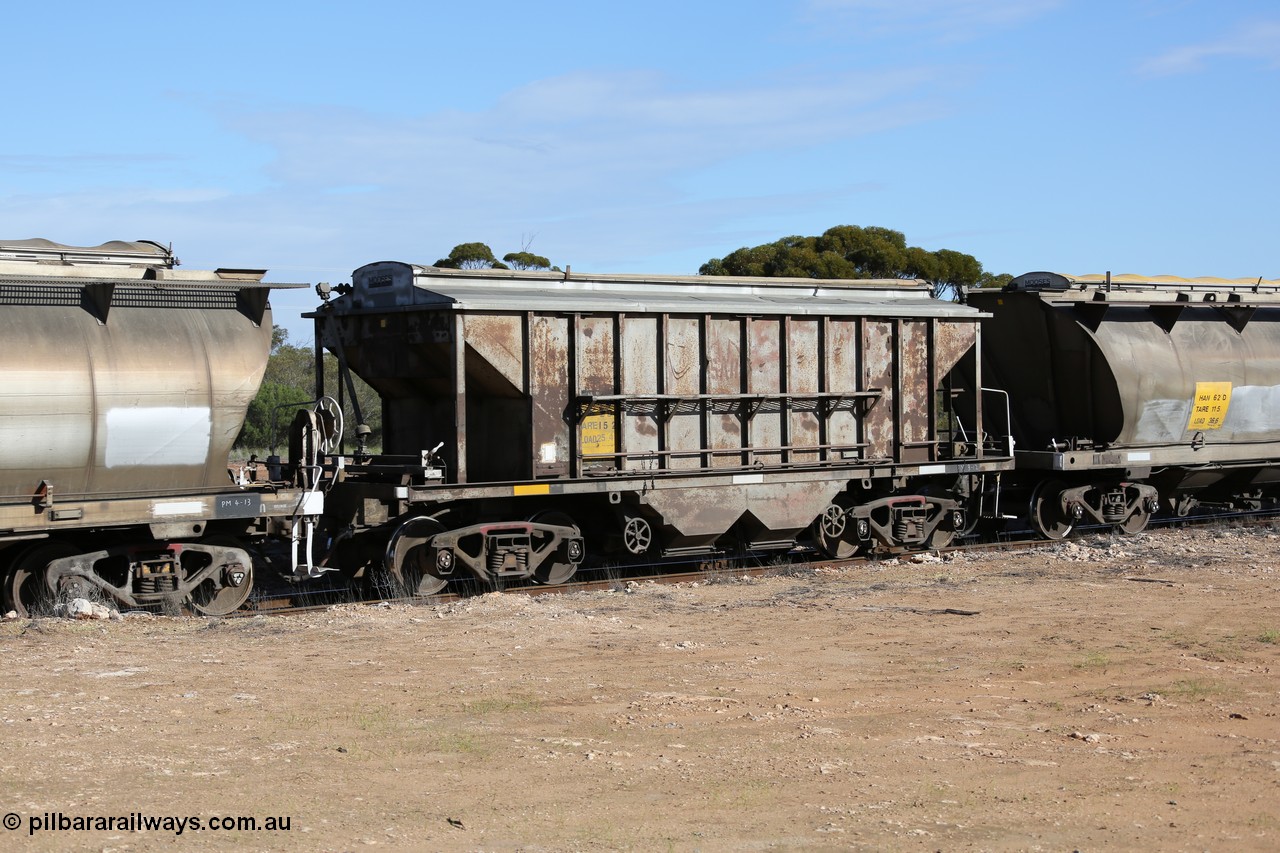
point(542, 489)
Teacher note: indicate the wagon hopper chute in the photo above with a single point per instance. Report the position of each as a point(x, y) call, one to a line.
point(533, 420)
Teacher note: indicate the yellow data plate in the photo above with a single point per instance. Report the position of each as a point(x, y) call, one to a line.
point(598, 433)
point(1209, 409)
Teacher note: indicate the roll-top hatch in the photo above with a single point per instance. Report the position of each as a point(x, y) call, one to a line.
point(120, 273)
point(136, 252)
point(120, 260)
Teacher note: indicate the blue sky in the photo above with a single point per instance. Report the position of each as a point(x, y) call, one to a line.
point(311, 138)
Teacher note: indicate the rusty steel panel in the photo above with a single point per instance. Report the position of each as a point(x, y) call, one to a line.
point(595, 357)
point(596, 366)
point(802, 377)
point(498, 341)
point(951, 341)
point(916, 402)
point(880, 348)
point(638, 362)
point(764, 376)
point(549, 394)
point(724, 376)
point(493, 432)
point(784, 509)
point(842, 374)
point(684, 375)
point(697, 517)
point(458, 361)
point(767, 511)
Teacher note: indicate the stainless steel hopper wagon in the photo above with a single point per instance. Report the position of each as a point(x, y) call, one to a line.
point(124, 383)
point(1132, 394)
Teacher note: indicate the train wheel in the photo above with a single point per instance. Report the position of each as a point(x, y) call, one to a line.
point(557, 568)
point(1046, 515)
point(830, 530)
point(222, 594)
point(25, 592)
point(408, 555)
point(1135, 523)
point(972, 517)
point(949, 526)
point(943, 535)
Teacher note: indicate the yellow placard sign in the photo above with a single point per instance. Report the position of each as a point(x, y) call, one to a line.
point(598, 435)
point(1209, 409)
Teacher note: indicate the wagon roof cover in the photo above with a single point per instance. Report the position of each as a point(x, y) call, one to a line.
point(392, 285)
point(46, 263)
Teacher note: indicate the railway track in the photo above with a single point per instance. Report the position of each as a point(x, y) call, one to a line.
point(707, 569)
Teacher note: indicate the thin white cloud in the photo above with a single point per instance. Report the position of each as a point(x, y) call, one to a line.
point(950, 20)
point(592, 145)
point(1259, 40)
point(78, 163)
point(604, 167)
point(576, 129)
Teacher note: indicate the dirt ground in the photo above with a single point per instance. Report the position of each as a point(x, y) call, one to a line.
point(1103, 693)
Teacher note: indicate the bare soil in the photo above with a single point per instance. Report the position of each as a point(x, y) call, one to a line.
point(1103, 693)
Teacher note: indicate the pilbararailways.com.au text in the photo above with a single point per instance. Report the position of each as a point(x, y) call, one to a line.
point(140, 822)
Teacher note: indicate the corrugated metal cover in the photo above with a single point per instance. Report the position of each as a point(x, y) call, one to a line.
point(116, 262)
point(169, 285)
point(39, 245)
point(391, 285)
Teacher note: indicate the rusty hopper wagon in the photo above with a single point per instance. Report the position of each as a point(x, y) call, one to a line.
point(1130, 394)
point(534, 420)
point(125, 381)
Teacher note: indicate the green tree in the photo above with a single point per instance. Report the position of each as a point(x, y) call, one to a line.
point(851, 251)
point(478, 256)
point(526, 261)
point(995, 280)
point(289, 384)
point(266, 424)
point(366, 400)
point(955, 272)
point(471, 256)
point(290, 366)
